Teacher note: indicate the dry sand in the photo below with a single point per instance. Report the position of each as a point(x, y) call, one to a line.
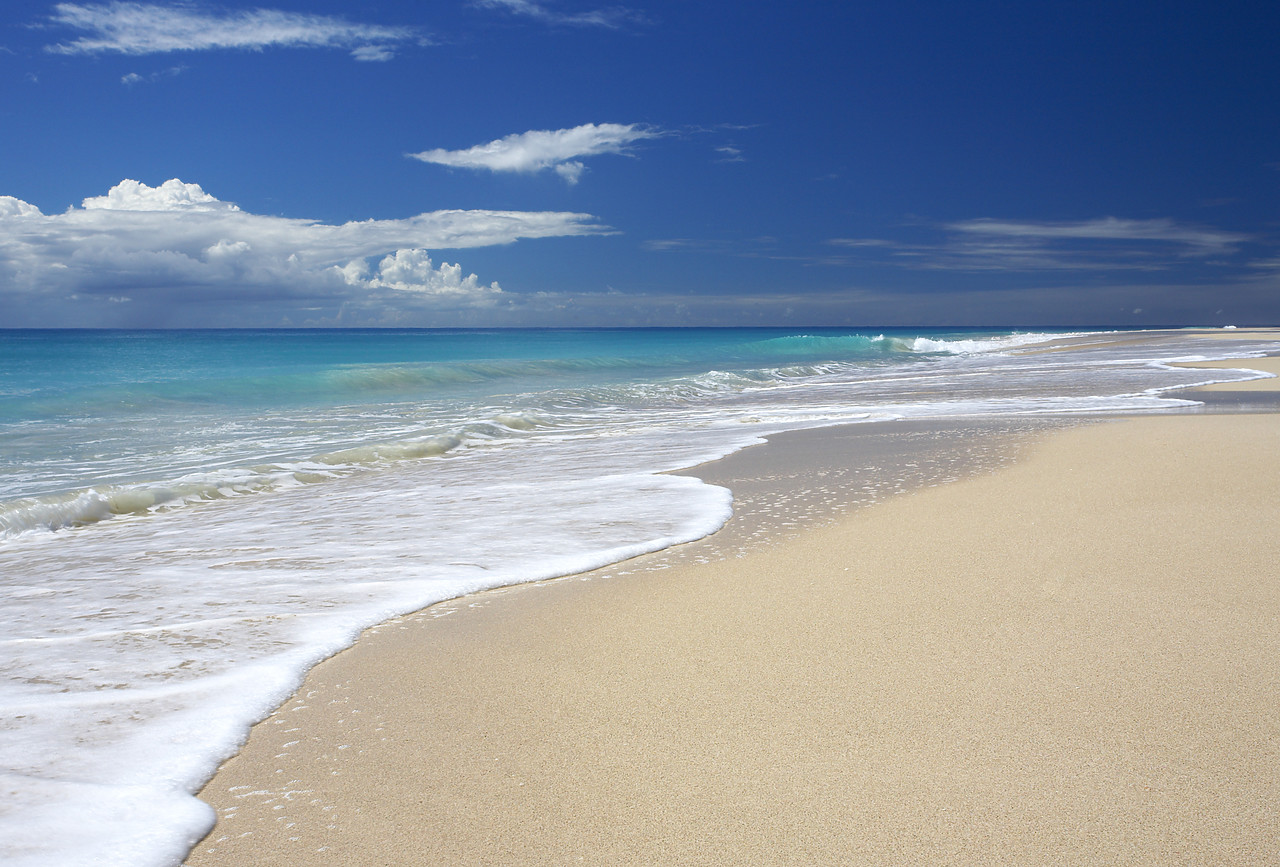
point(1071, 660)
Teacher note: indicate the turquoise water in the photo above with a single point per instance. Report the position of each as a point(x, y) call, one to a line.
point(190, 520)
point(68, 373)
point(83, 410)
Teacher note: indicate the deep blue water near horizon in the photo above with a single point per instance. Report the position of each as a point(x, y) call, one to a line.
point(189, 520)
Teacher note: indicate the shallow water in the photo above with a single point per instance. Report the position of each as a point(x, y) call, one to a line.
point(193, 519)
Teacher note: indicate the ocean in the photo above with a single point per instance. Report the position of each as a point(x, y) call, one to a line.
point(189, 520)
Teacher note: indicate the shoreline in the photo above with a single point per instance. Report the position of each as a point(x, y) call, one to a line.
point(700, 715)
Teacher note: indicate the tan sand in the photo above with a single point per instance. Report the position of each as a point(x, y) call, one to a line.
point(1073, 660)
point(1266, 365)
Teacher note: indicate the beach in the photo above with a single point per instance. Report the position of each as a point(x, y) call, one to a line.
point(1066, 657)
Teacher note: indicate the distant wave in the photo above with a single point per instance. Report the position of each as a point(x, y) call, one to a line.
point(839, 346)
point(879, 345)
point(970, 346)
point(78, 508)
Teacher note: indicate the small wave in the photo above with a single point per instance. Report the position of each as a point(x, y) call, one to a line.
point(389, 452)
point(89, 506)
point(978, 346)
point(518, 421)
point(363, 378)
point(79, 508)
point(832, 346)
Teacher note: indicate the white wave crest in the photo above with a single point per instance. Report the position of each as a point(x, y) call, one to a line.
point(984, 344)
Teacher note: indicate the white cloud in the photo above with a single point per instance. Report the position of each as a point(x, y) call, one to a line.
point(375, 53)
point(175, 244)
point(413, 271)
point(860, 242)
point(145, 28)
point(11, 207)
point(691, 245)
point(133, 78)
point(172, 195)
point(570, 171)
point(612, 18)
point(542, 149)
point(1101, 244)
point(1196, 241)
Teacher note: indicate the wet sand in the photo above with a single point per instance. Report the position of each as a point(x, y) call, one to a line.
point(1068, 659)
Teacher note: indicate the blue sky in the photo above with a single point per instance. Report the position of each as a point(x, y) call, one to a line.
point(563, 162)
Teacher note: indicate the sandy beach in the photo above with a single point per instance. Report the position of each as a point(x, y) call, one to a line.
point(1068, 659)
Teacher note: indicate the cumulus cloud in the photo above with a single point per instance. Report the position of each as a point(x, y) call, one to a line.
point(544, 149)
point(612, 17)
point(172, 195)
point(413, 271)
point(145, 28)
point(175, 244)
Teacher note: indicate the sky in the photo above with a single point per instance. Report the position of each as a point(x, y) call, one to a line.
point(487, 163)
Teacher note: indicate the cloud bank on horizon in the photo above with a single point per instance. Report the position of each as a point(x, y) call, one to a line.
point(185, 254)
point(176, 245)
